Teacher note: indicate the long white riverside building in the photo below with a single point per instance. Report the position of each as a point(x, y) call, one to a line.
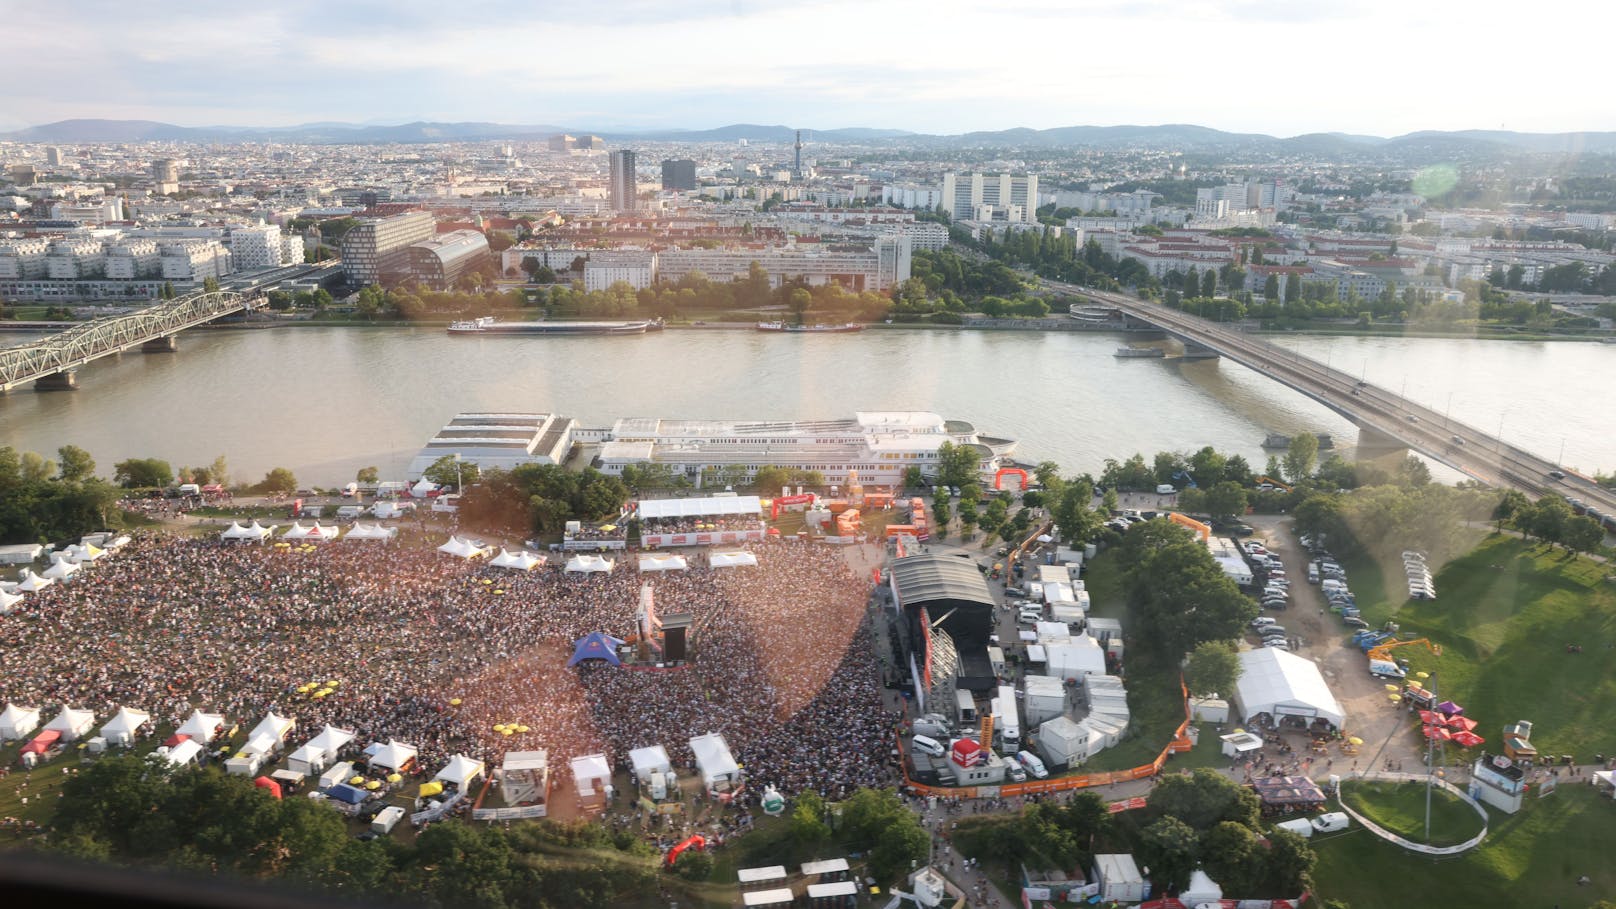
point(880, 445)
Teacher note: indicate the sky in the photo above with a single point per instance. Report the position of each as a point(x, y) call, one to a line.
point(1282, 67)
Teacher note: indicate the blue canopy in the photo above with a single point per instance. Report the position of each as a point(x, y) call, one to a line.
point(596, 646)
point(343, 792)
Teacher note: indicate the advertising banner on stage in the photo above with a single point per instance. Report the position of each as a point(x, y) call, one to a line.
point(726, 537)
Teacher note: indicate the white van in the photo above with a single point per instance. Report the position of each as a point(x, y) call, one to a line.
point(927, 745)
point(930, 728)
point(1033, 764)
point(387, 819)
point(1165, 489)
point(1302, 827)
point(1330, 823)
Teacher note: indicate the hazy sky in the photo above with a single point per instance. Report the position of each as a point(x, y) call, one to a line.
point(1277, 66)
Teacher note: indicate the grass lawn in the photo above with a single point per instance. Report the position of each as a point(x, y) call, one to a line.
point(1537, 854)
point(1400, 808)
point(1504, 615)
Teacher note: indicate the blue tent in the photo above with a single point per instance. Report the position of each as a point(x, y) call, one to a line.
point(596, 646)
point(343, 792)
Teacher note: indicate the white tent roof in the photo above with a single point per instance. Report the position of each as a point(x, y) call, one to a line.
point(1280, 683)
point(1202, 889)
point(31, 583)
point(731, 559)
point(371, 532)
point(393, 755)
point(124, 723)
point(662, 561)
point(460, 770)
point(86, 552)
point(185, 752)
point(331, 739)
point(317, 533)
point(521, 560)
point(526, 760)
point(71, 723)
point(589, 563)
point(271, 724)
point(201, 726)
point(61, 569)
point(1075, 658)
point(9, 601)
point(255, 531)
point(309, 754)
point(713, 757)
point(455, 546)
point(692, 508)
point(423, 488)
point(653, 759)
point(16, 722)
point(591, 767)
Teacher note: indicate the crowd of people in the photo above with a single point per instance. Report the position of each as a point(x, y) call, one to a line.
point(780, 660)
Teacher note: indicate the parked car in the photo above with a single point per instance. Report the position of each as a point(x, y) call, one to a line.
point(1262, 620)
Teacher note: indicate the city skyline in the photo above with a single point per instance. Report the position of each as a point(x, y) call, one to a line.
point(1363, 66)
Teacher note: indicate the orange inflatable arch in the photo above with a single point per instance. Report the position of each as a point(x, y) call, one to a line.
point(998, 478)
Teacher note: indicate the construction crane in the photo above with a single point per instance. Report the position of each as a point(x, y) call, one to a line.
point(1384, 651)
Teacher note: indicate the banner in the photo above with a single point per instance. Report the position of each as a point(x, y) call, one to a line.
point(525, 812)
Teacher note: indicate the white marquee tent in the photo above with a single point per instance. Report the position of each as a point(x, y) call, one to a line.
point(371, 532)
point(32, 583)
point(331, 740)
point(647, 761)
point(71, 723)
point(124, 726)
point(701, 507)
point(184, 753)
point(463, 549)
point(423, 488)
point(588, 564)
point(202, 727)
point(521, 560)
point(1284, 684)
point(256, 532)
point(86, 552)
point(273, 729)
point(307, 760)
point(661, 561)
point(17, 722)
point(394, 755)
point(1202, 889)
point(591, 772)
point(460, 770)
point(714, 760)
point(9, 601)
point(732, 559)
point(297, 533)
point(61, 570)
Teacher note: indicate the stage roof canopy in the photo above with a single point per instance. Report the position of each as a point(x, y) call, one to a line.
point(921, 579)
point(695, 508)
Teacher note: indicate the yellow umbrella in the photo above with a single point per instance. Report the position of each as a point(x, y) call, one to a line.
point(304, 689)
point(506, 731)
point(499, 727)
point(1354, 740)
point(500, 592)
point(608, 528)
point(393, 778)
point(333, 684)
point(432, 788)
point(320, 694)
point(1391, 688)
point(373, 785)
point(1394, 698)
point(485, 581)
point(454, 702)
point(356, 781)
point(1239, 731)
point(521, 728)
point(1422, 675)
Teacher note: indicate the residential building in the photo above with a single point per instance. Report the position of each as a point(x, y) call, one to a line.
point(24, 259)
point(440, 261)
point(607, 267)
point(679, 175)
point(1005, 197)
point(885, 263)
point(374, 248)
point(624, 183)
point(53, 156)
point(96, 211)
point(71, 259)
point(257, 247)
point(563, 143)
point(194, 261)
point(165, 176)
point(132, 259)
point(587, 142)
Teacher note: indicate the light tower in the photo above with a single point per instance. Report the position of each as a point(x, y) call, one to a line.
point(796, 170)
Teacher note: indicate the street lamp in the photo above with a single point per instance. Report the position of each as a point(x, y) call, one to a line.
point(459, 486)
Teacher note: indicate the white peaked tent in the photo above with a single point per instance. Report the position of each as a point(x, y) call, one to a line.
point(647, 761)
point(32, 583)
point(662, 561)
point(461, 549)
point(1284, 684)
point(17, 722)
point(588, 564)
point(307, 760)
point(423, 488)
point(714, 760)
point(81, 553)
point(394, 755)
point(201, 727)
point(331, 740)
point(9, 601)
point(1202, 889)
point(124, 726)
point(371, 532)
point(460, 771)
point(62, 570)
point(316, 534)
point(184, 753)
point(732, 559)
point(255, 533)
point(71, 723)
point(274, 727)
point(591, 772)
point(521, 560)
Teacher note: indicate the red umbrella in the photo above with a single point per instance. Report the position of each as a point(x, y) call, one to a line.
point(1437, 732)
point(1461, 723)
point(1467, 739)
point(1431, 716)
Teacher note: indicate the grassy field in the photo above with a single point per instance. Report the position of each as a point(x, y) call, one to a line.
point(1400, 808)
point(1531, 858)
point(1504, 615)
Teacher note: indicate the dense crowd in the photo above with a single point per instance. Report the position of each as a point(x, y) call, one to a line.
point(780, 664)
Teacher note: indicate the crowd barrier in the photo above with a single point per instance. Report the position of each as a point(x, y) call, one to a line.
point(437, 811)
point(508, 814)
point(1174, 903)
point(1410, 845)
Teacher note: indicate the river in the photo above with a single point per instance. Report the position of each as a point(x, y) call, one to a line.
point(327, 401)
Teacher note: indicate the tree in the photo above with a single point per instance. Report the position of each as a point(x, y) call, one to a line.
point(1290, 863)
point(1109, 501)
point(136, 473)
point(1293, 288)
point(219, 470)
point(1074, 513)
point(913, 477)
point(772, 478)
point(957, 465)
point(1207, 467)
point(1549, 518)
point(1169, 848)
point(76, 463)
point(1299, 457)
point(1582, 534)
point(902, 845)
point(1233, 857)
point(808, 825)
point(1511, 506)
point(694, 865)
point(1213, 668)
point(798, 302)
point(1209, 283)
point(452, 471)
point(368, 476)
point(1225, 500)
point(1203, 798)
point(278, 480)
point(36, 468)
point(1270, 288)
point(1175, 588)
point(210, 285)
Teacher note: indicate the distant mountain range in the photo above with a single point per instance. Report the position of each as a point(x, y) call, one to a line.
point(1173, 135)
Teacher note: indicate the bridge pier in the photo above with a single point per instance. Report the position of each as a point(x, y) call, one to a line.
point(168, 344)
point(1373, 443)
point(1193, 351)
point(57, 381)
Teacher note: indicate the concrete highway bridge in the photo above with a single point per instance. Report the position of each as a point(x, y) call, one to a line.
point(51, 363)
point(1375, 410)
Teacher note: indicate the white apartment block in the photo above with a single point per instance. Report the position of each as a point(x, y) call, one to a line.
point(98, 211)
point(257, 247)
point(605, 268)
point(912, 195)
point(71, 259)
point(927, 235)
point(128, 260)
point(1008, 197)
point(24, 259)
point(194, 260)
point(886, 263)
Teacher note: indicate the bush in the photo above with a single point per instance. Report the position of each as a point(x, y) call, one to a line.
point(694, 865)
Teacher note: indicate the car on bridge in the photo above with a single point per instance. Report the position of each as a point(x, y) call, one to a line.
point(1556, 474)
